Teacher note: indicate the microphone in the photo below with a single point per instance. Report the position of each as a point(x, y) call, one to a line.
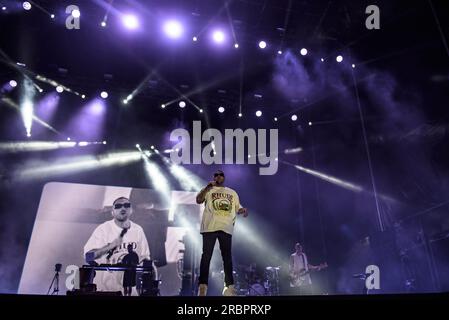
point(111, 252)
point(124, 230)
point(361, 275)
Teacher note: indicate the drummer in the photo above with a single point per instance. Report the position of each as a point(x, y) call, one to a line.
point(254, 273)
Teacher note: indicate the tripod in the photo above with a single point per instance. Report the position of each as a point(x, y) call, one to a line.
point(55, 282)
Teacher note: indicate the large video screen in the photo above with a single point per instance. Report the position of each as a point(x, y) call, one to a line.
point(69, 219)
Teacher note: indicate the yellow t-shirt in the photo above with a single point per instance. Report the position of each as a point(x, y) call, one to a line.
point(220, 209)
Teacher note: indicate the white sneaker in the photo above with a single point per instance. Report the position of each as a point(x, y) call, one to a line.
point(229, 291)
point(202, 290)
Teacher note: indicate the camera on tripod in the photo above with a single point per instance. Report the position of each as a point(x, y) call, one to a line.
point(55, 281)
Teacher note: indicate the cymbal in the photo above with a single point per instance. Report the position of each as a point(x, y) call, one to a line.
point(273, 268)
point(222, 271)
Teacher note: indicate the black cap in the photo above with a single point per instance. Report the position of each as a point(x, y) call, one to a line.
point(219, 172)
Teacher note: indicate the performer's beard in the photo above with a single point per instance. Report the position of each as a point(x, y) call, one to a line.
point(122, 217)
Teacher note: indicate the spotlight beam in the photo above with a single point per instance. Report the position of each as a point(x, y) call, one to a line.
point(254, 240)
point(139, 87)
point(231, 25)
point(182, 96)
point(187, 180)
point(55, 84)
point(108, 8)
point(71, 165)
point(201, 88)
point(27, 74)
point(212, 19)
point(333, 180)
point(14, 105)
point(293, 150)
point(30, 75)
point(192, 230)
point(286, 20)
point(157, 178)
point(33, 146)
point(241, 86)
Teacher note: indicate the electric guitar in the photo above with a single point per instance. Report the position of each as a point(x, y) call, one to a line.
point(299, 277)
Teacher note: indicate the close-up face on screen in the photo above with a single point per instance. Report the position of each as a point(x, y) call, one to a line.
point(264, 153)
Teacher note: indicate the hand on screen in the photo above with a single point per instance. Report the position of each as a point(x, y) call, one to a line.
point(117, 242)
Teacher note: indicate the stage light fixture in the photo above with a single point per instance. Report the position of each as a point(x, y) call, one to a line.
point(26, 5)
point(130, 21)
point(218, 36)
point(173, 29)
point(76, 13)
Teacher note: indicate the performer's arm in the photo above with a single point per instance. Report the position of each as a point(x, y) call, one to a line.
point(201, 196)
point(312, 267)
point(292, 264)
point(238, 207)
point(97, 253)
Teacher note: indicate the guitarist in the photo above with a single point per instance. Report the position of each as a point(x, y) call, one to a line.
point(300, 281)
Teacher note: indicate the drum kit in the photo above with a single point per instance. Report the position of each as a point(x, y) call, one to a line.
point(251, 281)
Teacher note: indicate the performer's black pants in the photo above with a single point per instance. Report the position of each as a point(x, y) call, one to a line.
point(225, 241)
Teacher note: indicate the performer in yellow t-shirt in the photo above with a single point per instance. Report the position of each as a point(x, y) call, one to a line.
point(221, 205)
